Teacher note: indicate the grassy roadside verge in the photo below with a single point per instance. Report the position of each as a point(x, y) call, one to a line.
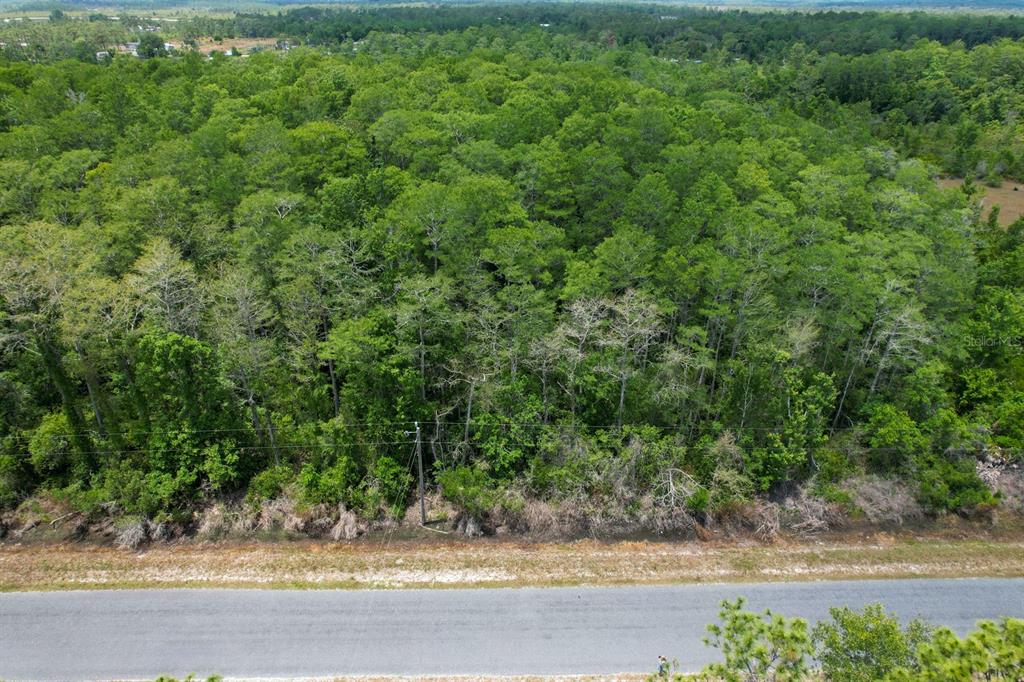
point(500, 563)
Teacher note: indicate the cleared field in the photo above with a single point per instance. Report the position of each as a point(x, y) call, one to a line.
point(1009, 197)
point(238, 45)
point(497, 563)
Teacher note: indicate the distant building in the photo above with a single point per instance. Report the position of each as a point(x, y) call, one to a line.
point(102, 56)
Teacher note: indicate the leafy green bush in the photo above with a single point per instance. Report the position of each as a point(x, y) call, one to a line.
point(894, 439)
point(467, 487)
point(50, 449)
point(866, 645)
point(765, 648)
point(952, 486)
point(833, 466)
point(11, 481)
point(699, 501)
point(148, 493)
point(391, 482)
point(268, 484)
point(328, 486)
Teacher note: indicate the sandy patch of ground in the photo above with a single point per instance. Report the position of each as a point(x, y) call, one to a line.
point(495, 563)
point(238, 45)
point(1009, 197)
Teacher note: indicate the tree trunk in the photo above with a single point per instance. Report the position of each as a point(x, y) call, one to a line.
point(469, 411)
point(58, 375)
point(334, 386)
point(622, 401)
point(273, 439)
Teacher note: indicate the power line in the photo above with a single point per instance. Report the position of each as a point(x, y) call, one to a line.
point(461, 424)
point(181, 431)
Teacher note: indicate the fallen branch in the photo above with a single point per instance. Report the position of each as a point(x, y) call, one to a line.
point(53, 524)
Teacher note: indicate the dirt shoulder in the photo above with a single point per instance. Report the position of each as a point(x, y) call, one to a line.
point(489, 562)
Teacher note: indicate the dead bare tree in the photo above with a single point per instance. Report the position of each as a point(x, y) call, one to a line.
point(631, 329)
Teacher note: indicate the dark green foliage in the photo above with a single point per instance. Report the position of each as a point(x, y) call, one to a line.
point(391, 483)
point(269, 484)
point(468, 487)
point(151, 45)
point(330, 485)
point(952, 485)
point(13, 481)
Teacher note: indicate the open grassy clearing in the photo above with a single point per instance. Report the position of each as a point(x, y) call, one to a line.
point(498, 563)
point(1009, 196)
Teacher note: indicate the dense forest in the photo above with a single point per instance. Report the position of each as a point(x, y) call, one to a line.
point(613, 277)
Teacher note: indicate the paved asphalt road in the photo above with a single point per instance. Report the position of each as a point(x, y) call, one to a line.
point(250, 633)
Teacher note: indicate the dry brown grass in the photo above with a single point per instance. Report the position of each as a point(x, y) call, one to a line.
point(488, 562)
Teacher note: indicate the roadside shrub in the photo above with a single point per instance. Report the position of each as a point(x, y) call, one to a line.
point(866, 645)
point(220, 464)
point(328, 486)
point(147, 494)
point(131, 532)
point(268, 484)
point(834, 466)
point(952, 486)
point(995, 652)
point(698, 501)
point(391, 484)
point(50, 448)
point(894, 439)
point(766, 648)
point(807, 512)
point(728, 489)
point(467, 487)
point(11, 480)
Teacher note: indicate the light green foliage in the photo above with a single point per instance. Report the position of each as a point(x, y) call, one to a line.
point(895, 439)
point(862, 646)
point(994, 651)
point(50, 447)
point(858, 646)
point(758, 647)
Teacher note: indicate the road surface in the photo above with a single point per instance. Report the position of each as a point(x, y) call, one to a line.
point(257, 633)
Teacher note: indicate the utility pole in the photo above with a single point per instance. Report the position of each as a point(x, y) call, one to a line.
point(419, 463)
